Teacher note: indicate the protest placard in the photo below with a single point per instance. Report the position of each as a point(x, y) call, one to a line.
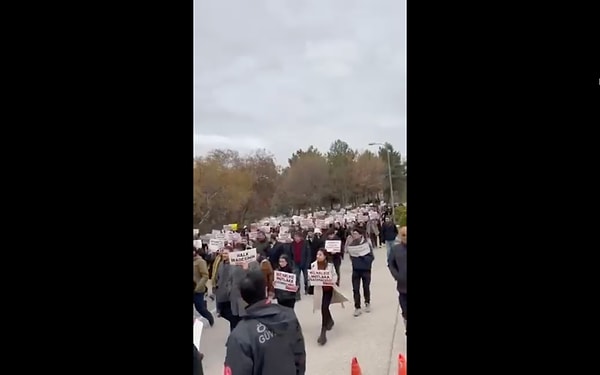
point(239, 257)
point(284, 230)
point(333, 246)
point(285, 281)
point(197, 244)
point(215, 245)
point(306, 223)
point(216, 231)
point(320, 277)
point(220, 236)
point(359, 250)
point(283, 237)
point(320, 223)
point(196, 232)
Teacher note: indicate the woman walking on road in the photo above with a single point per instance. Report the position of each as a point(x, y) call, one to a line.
point(285, 298)
point(326, 295)
point(222, 289)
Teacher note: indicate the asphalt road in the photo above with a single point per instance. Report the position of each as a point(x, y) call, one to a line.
point(374, 338)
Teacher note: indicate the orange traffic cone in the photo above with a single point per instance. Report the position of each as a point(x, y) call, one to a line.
point(401, 365)
point(355, 367)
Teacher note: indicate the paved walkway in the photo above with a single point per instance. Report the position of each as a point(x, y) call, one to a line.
point(375, 338)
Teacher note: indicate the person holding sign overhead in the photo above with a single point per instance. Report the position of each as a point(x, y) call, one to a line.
point(325, 292)
point(238, 272)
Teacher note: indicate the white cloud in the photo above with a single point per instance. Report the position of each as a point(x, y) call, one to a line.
point(295, 73)
point(245, 142)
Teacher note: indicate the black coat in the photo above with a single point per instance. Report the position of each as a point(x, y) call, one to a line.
point(268, 341)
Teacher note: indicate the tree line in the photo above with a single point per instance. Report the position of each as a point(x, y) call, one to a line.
point(231, 188)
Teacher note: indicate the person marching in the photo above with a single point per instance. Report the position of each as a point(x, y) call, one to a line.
point(200, 279)
point(301, 253)
point(361, 270)
point(285, 298)
point(222, 288)
point(397, 266)
point(336, 257)
point(326, 295)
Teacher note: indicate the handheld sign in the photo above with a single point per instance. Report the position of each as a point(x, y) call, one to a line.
point(359, 250)
point(197, 244)
point(196, 231)
point(198, 325)
point(306, 223)
point(320, 277)
point(284, 281)
point(333, 246)
point(215, 245)
point(239, 257)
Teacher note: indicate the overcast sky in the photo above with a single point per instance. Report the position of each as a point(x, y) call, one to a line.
point(285, 74)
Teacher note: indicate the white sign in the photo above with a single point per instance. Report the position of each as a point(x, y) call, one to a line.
point(197, 244)
point(320, 277)
point(333, 246)
point(216, 231)
point(239, 257)
point(359, 250)
point(196, 231)
point(319, 223)
point(285, 281)
point(284, 230)
point(198, 325)
point(220, 236)
point(215, 245)
point(284, 237)
point(306, 223)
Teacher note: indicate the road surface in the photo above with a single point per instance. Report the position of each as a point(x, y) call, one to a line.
point(374, 338)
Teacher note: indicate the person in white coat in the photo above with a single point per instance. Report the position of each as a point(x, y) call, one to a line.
point(326, 295)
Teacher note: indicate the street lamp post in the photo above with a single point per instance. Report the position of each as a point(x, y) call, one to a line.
point(389, 174)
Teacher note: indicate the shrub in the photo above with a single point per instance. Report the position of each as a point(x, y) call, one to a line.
point(400, 216)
